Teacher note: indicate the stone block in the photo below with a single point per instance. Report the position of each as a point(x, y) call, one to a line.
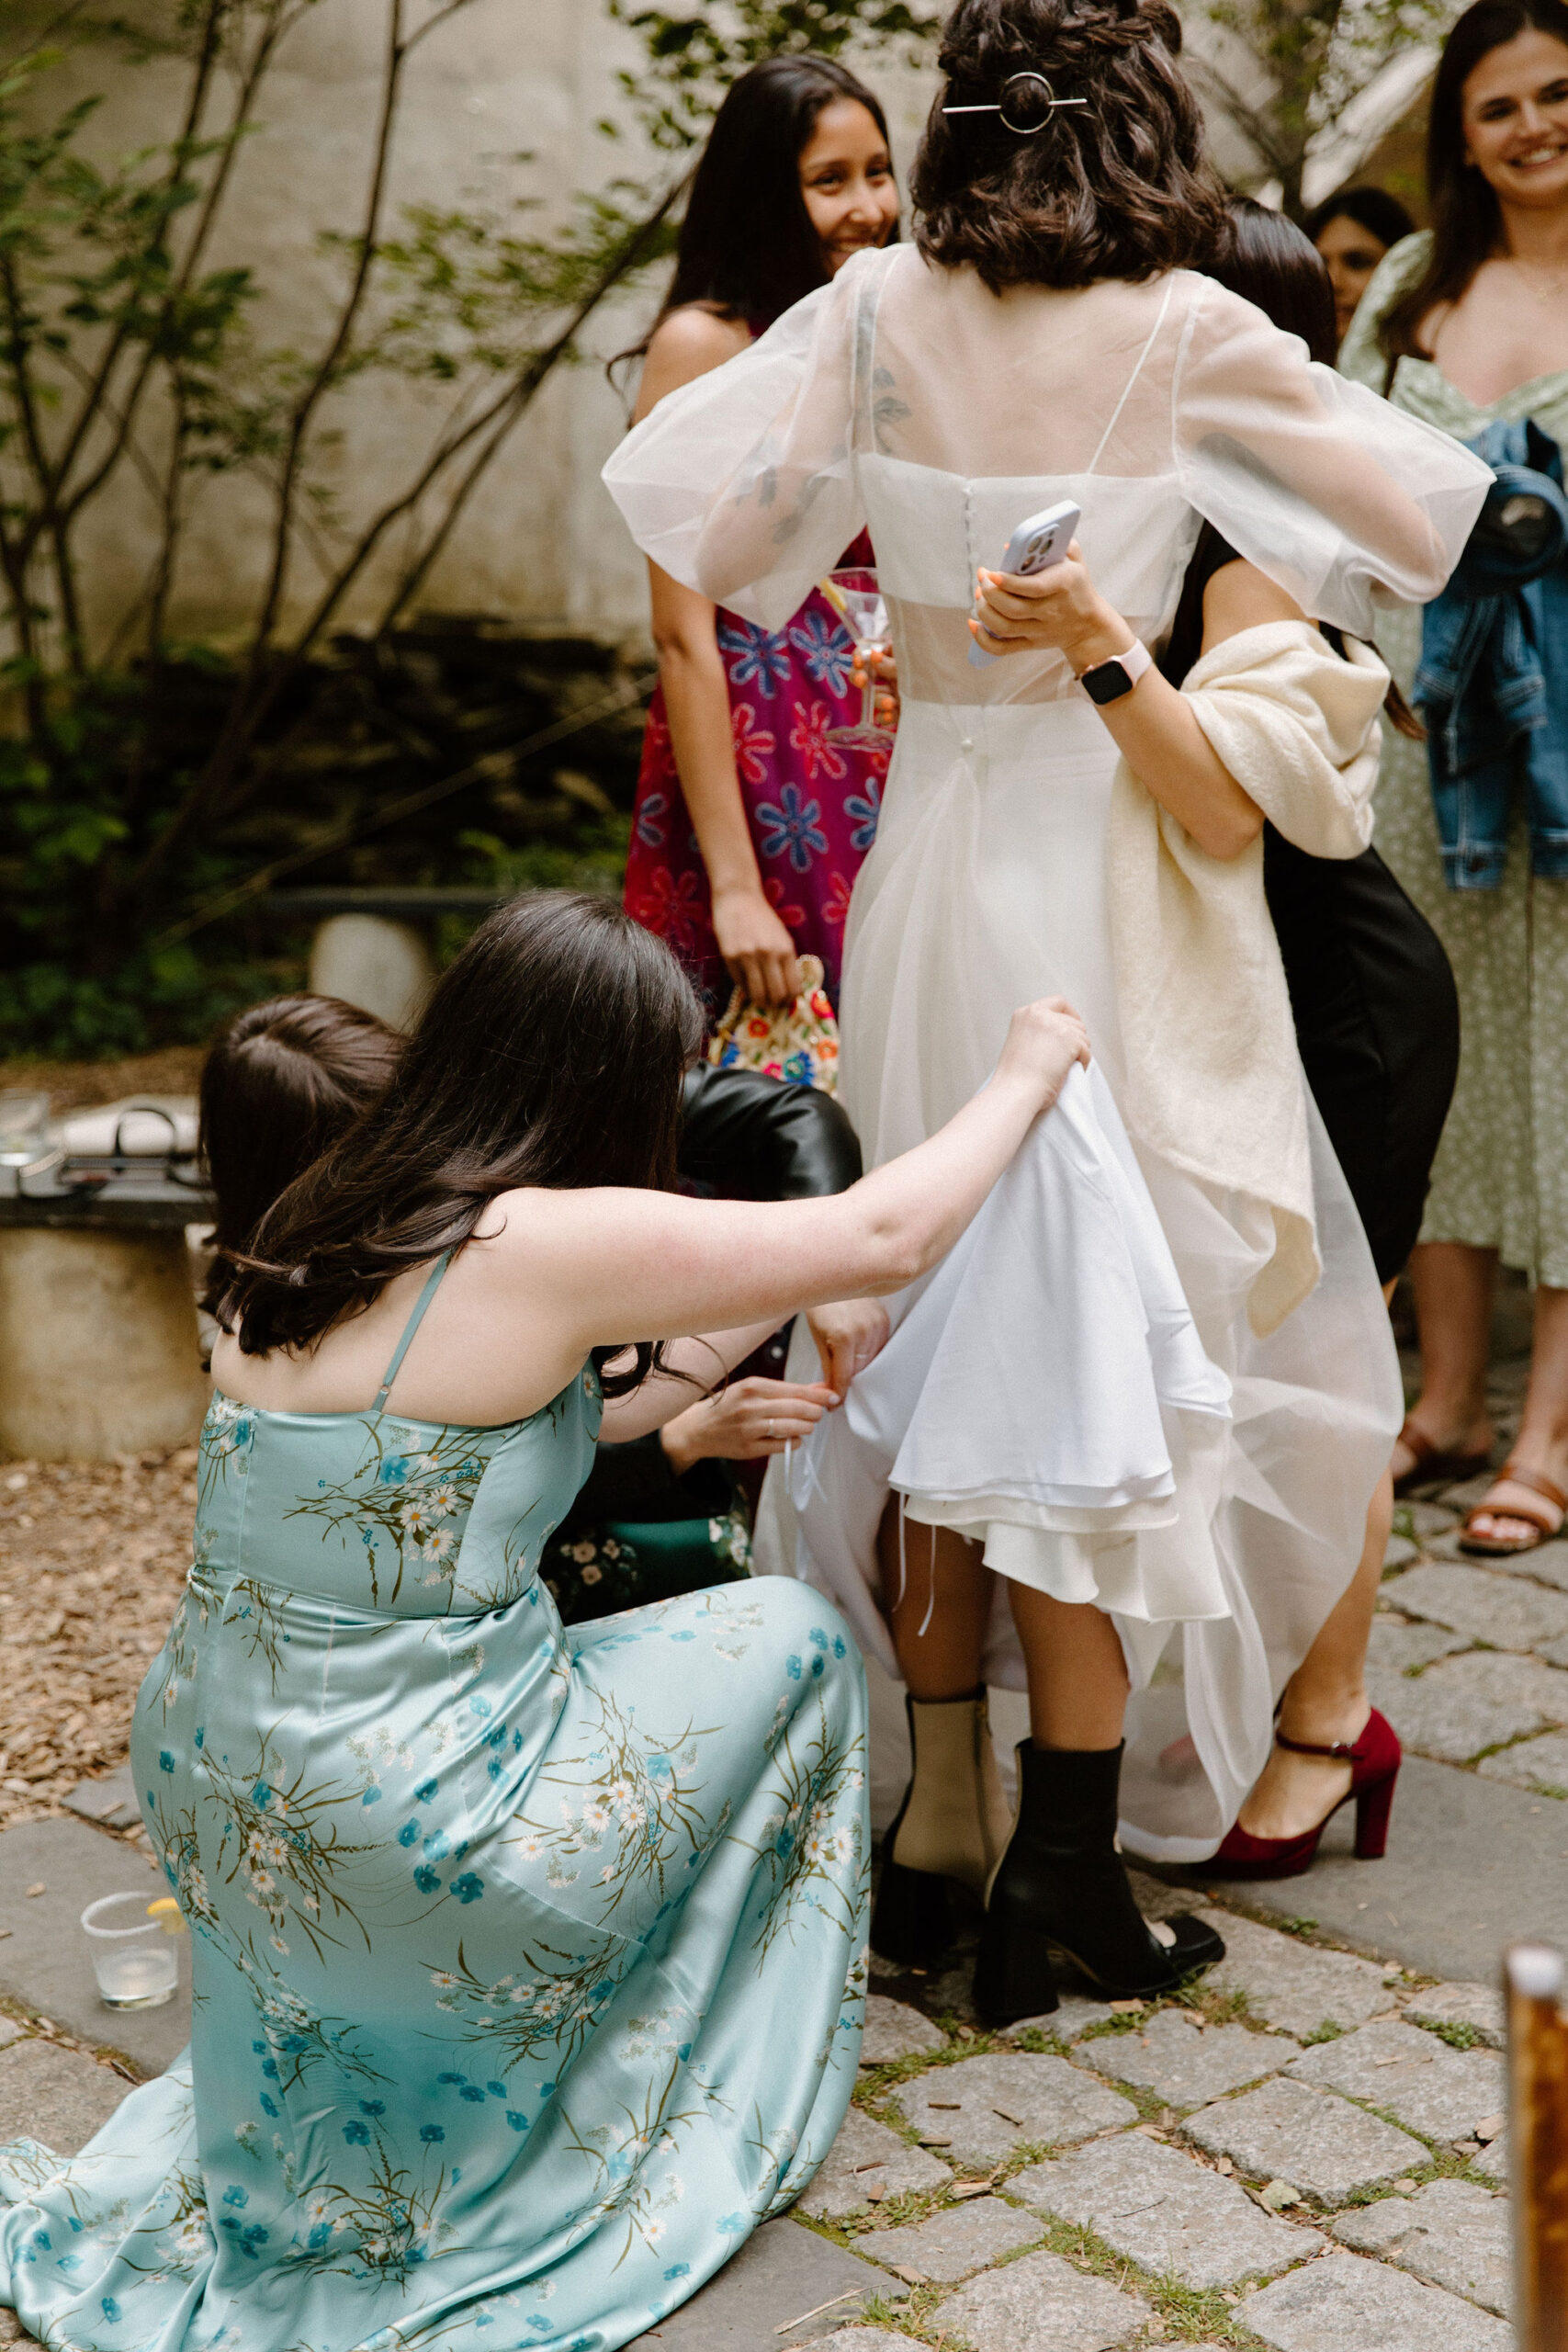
point(1400, 1552)
point(55, 2095)
point(1460, 1706)
point(1041, 2301)
point(866, 2163)
point(1073, 2016)
point(1184, 2062)
point(1428, 1519)
point(1509, 1612)
point(984, 2108)
point(1439, 2092)
point(1449, 2232)
point(861, 2339)
point(1547, 1563)
point(1294, 1986)
point(1166, 2212)
point(383, 966)
point(11, 2031)
point(44, 1959)
point(99, 1350)
point(1539, 1764)
point(784, 2288)
point(1396, 1644)
point(1493, 2162)
point(1477, 2006)
point(1287, 2130)
point(1345, 2303)
point(111, 1801)
point(948, 2246)
point(1554, 1653)
point(894, 2030)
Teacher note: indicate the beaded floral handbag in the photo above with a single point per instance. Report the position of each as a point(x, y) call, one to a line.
point(798, 1041)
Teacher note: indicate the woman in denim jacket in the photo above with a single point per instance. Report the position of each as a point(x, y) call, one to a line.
point(1467, 326)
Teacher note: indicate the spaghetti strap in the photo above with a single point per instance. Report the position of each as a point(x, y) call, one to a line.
point(411, 1327)
point(1137, 371)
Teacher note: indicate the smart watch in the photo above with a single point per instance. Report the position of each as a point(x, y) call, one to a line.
point(1109, 681)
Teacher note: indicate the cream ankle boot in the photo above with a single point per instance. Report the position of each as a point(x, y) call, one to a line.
point(954, 1823)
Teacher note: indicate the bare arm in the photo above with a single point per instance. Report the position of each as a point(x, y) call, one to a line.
point(754, 943)
point(1153, 727)
point(669, 1391)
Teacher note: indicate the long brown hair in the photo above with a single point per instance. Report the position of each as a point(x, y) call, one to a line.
point(1116, 188)
point(1467, 224)
point(281, 1083)
point(550, 1054)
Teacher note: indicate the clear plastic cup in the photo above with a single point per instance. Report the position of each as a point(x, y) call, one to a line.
point(135, 1959)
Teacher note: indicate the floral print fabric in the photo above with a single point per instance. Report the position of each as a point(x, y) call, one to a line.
point(1500, 1178)
point(528, 1965)
point(811, 806)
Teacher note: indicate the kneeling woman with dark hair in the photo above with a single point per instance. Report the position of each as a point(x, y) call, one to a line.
point(526, 1965)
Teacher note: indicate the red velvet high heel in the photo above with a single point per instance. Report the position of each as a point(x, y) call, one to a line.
point(1374, 1759)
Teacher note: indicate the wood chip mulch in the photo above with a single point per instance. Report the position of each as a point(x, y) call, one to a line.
point(93, 1556)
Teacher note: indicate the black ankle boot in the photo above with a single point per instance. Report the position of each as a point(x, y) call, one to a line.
point(953, 1825)
point(1062, 1882)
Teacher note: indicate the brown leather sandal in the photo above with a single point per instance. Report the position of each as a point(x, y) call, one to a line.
point(1433, 1464)
point(1506, 1546)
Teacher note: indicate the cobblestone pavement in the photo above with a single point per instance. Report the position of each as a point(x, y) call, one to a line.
point(1305, 2152)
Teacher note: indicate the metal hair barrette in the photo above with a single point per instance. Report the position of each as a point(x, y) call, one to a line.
point(1025, 107)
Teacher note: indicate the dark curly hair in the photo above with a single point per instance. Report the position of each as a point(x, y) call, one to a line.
point(1117, 187)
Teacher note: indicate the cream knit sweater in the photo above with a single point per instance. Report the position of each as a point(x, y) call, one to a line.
point(1213, 1079)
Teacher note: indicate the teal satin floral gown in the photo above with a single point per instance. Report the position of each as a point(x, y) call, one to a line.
point(528, 1964)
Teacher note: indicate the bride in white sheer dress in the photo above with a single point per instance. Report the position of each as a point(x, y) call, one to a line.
point(1138, 1415)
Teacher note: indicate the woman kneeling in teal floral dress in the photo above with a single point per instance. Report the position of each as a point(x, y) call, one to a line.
point(527, 1964)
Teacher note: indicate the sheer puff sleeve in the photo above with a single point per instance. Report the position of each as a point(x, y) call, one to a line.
point(1343, 501)
point(740, 484)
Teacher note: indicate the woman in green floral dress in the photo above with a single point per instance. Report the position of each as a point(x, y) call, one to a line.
point(527, 1964)
point(1466, 325)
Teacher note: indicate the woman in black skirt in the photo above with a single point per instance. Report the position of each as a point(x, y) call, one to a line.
point(1373, 1000)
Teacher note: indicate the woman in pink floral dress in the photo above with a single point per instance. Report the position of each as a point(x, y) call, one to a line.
point(749, 825)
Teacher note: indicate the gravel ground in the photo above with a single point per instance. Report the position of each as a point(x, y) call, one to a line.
point(92, 1559)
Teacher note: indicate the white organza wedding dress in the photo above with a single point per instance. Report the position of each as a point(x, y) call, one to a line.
point(1078, 1386)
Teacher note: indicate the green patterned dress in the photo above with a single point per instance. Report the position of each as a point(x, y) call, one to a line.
point(1500, 1181)
point(527, 1966)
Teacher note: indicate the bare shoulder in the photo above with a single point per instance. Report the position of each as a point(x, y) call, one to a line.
point(1239, 598)
point(690, 343)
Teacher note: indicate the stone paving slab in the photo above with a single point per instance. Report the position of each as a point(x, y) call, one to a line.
point(1506, 1611)
point(1554, 1653)
point(58, 2096)
point(1493, 2161)
point(1396, 1644)
point(1471, 1863)
point(1539, 1764)
point(1439, 2092)
point(894, 2030)
point(1287, 2130)
point(1449, 2232)
point(1480, 2007)
point(1431, 1519)
point(984, 2108)
point(1165, 2212)
point(784, 2273)
point(1399, 1554)
point(1184, 2062)
point(111, 1801)
point(1040, 2303)
point(44, 1959)
point(866, 2163)
point(1547, 1563)
point(1073, 2016)
point(11, 2031)
point(861, 2339)
point(1460, 1706)
point(949, 2246)
point(1345, 2303)
point(1294, 1986)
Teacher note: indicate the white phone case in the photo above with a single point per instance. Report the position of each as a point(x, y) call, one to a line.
point(1040, 541)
